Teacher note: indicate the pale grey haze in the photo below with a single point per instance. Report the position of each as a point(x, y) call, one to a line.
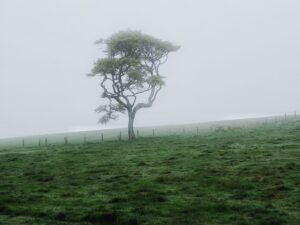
point(237, 59)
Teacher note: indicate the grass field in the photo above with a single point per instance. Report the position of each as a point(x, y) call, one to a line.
point(239, 176)
point(95, 136)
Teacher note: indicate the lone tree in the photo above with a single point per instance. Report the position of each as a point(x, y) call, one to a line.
point(130, 70)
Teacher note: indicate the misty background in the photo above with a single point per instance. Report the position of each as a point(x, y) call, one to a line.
point(237, 59)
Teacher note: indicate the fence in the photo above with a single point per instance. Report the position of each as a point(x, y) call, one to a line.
point(160, 131)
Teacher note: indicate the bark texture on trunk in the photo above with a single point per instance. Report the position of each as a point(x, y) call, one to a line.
point(131, 135)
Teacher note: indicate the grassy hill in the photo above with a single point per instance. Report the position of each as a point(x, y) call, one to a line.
point(95, 136)
point(248, 176)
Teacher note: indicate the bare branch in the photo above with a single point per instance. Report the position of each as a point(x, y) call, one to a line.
point(151, 99)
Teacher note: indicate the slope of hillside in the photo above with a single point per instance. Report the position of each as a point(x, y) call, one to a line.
point(96, 136)
point(236, 176)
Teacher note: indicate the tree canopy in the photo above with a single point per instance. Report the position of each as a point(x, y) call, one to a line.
point(130, 69)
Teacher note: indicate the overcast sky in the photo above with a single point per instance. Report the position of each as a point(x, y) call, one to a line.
point(237, 59)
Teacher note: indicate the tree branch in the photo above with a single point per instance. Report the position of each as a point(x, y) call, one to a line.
point(151, 99)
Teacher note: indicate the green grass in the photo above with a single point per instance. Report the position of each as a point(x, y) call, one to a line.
point(235, 177)
point(95, 136)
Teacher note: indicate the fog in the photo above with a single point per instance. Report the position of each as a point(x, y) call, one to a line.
point(237, 59)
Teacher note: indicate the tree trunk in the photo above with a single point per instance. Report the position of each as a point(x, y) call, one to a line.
point(131, 135)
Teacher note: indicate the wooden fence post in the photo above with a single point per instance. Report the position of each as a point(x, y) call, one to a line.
point(102, 138)
point(66, 140)
point(120, 136)
point(46, 141)
point(23, 143)
point(137, 133)
point(39, 142)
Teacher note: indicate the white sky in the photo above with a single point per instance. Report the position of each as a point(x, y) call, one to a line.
point(237, 59)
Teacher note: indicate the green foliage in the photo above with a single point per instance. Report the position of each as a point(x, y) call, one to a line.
point(233, 177)
point(114, 65)
point(109, 111)
point(136, 44)
point(156, 80)
point(131, 68)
